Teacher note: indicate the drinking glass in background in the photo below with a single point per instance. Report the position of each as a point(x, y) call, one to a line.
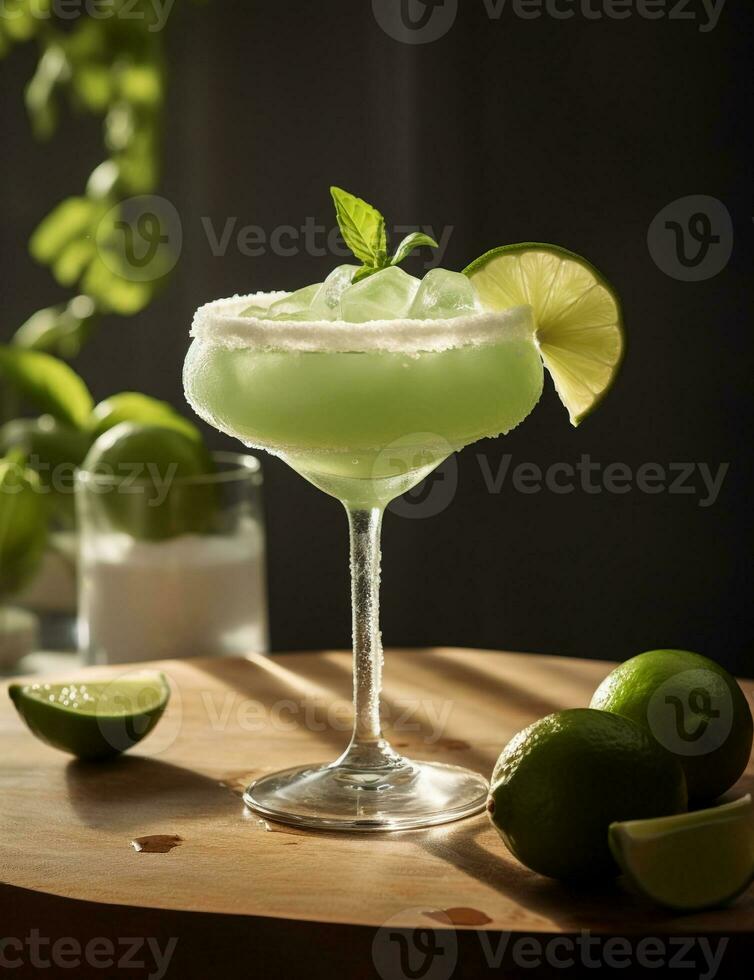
point(172, 570)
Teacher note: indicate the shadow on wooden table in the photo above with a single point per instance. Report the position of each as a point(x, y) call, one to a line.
point(269, 681)
point(471, 683)
point(568, 906)
point(108, 795)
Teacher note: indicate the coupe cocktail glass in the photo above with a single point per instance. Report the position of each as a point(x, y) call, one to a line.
point(364, 412)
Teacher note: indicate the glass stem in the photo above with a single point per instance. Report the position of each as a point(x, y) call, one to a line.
point(367, 749)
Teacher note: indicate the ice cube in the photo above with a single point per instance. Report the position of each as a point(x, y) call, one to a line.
point(442, 295)
point(385, 295)
point(326, 304)
point(297, 303)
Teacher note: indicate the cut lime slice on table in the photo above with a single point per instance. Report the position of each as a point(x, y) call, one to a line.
point(689, 862)
point(578, 315)
point(93, 719)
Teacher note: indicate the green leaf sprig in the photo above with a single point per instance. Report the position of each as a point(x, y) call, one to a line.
point(363, 230)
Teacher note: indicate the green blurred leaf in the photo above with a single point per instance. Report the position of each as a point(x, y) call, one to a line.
point(93, 85)
point(116, 293)
point(140, 174)
point(115, 66)
point(20, 19)
point(120, 126)
point(103, 180)
point(88, 41)
point(52, 70)
point(48, 383)
point(141, 85)
point(39, 324)
point(71, 219)
point(23, 523)
point(59, 330)
point(72, 262)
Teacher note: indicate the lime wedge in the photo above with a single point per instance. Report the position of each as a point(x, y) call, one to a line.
point(578, 315)
point(93, 719)
point(689, 862)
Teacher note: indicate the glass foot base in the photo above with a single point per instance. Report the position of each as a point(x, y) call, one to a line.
point(337, 797)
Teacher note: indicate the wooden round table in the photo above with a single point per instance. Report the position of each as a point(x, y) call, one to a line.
point(238, 891)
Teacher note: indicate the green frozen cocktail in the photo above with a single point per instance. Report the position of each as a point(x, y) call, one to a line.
point(366, 424)
point(364, 383)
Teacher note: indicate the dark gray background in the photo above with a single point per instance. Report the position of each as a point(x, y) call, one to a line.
point(577, 132)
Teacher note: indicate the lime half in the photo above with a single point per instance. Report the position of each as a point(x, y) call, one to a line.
point(689, 862)
point(578, 315)
point(93, 719)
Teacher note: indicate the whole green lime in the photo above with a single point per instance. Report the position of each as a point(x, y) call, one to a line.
point(693, 707)
point(147, 481)
point(23, 523)
point(133, 406)
point(561, 782)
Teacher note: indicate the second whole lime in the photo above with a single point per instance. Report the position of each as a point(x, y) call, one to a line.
point(693, 707)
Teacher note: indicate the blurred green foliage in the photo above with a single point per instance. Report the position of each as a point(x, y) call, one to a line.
point(110, 66)
point(47, 383)
point(106, 60)
point(54, 444)
point(23, 523)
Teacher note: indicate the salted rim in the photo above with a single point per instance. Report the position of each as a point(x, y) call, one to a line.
point(219, 323)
